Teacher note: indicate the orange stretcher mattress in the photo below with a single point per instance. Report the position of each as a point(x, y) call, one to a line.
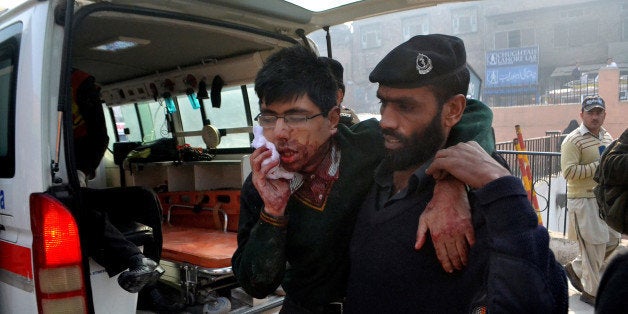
point(198, 246)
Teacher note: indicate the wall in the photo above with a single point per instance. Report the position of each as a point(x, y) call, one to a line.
point(536, 120)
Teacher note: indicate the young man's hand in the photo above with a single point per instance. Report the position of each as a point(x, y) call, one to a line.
point(467, 162)
point(448, 218)
point(274, 192)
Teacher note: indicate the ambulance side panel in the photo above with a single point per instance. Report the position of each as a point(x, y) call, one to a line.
point(34, 131)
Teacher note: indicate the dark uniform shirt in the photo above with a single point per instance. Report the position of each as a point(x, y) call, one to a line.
point(511, 268)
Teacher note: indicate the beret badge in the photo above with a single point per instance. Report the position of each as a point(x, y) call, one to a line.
point(423, 63)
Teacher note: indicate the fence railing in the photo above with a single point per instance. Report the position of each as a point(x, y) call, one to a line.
point(540, 166)
point(549, 186)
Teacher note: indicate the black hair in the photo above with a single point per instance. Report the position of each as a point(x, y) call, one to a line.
point(336, 69)
point(295, 72)
point(451, 85)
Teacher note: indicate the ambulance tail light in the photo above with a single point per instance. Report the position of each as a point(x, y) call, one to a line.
point(56, 257)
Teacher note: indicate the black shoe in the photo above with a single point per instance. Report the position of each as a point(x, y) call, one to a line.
point(142, 271)
point(573, 278)
point(587, 298)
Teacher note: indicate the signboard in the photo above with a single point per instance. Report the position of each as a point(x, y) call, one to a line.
point(512, 67)
point(512, 57)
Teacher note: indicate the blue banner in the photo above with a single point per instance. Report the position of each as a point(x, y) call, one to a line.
point(512, 67)
point(512, 76)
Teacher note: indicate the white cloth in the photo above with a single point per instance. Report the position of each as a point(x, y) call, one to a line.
point(595, 240)
point(259, 140)
point(591, 227)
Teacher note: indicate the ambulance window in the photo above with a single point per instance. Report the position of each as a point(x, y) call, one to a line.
point(138, 122)
point(9, 52)
point(191, 119)
point(116, 129)
point(127, 125)
point(231, 114)
point(152, 116)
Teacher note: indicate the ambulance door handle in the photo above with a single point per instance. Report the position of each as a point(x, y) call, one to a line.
point(2, 228)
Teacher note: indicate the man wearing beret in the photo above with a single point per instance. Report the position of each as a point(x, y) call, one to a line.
point(422, 88)
point(579, 159)
point(296, 232)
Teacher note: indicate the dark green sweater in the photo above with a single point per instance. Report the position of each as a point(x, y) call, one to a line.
point(310, 257)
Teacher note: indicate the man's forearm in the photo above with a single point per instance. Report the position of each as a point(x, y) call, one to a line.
point(570, 163)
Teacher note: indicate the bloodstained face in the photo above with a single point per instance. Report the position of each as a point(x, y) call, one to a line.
point(301, 147)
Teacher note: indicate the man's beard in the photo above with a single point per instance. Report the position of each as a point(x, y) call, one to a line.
point(418, 148)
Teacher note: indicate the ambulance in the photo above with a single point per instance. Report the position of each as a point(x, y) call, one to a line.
point(175, 79)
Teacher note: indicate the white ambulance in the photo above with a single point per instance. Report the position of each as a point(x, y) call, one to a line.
point(172, 71)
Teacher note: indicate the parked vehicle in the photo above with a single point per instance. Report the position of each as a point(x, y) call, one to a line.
point(177, 70)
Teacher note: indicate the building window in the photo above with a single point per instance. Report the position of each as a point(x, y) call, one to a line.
point(514, 39)
point(416, 25)
point(9, 52)
point(624, 29)
point(576, 34)
point(465, 20)
point(371, 36)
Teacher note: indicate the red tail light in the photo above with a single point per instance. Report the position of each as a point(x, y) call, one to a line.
point(56, 257)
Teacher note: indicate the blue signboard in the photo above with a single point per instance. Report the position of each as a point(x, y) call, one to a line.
point(512, 76)
point(512, 67)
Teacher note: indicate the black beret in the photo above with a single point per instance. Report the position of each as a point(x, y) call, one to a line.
point(422, 60)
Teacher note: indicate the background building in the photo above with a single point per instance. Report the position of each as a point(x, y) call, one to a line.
point(582, 32)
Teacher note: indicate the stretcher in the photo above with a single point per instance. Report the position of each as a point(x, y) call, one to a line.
point(199, 238)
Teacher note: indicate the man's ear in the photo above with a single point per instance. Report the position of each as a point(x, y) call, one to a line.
point(334, 118)
point(340, 95)
point(453, 109)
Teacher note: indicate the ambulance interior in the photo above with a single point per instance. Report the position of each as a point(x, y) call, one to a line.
point(187, 81)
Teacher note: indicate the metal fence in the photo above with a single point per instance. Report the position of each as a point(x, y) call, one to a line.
point(543, 155)
point(541, 165)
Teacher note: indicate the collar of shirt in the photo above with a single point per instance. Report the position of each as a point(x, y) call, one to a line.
point(584, 130)
point(385, 188)
point(314, 188)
